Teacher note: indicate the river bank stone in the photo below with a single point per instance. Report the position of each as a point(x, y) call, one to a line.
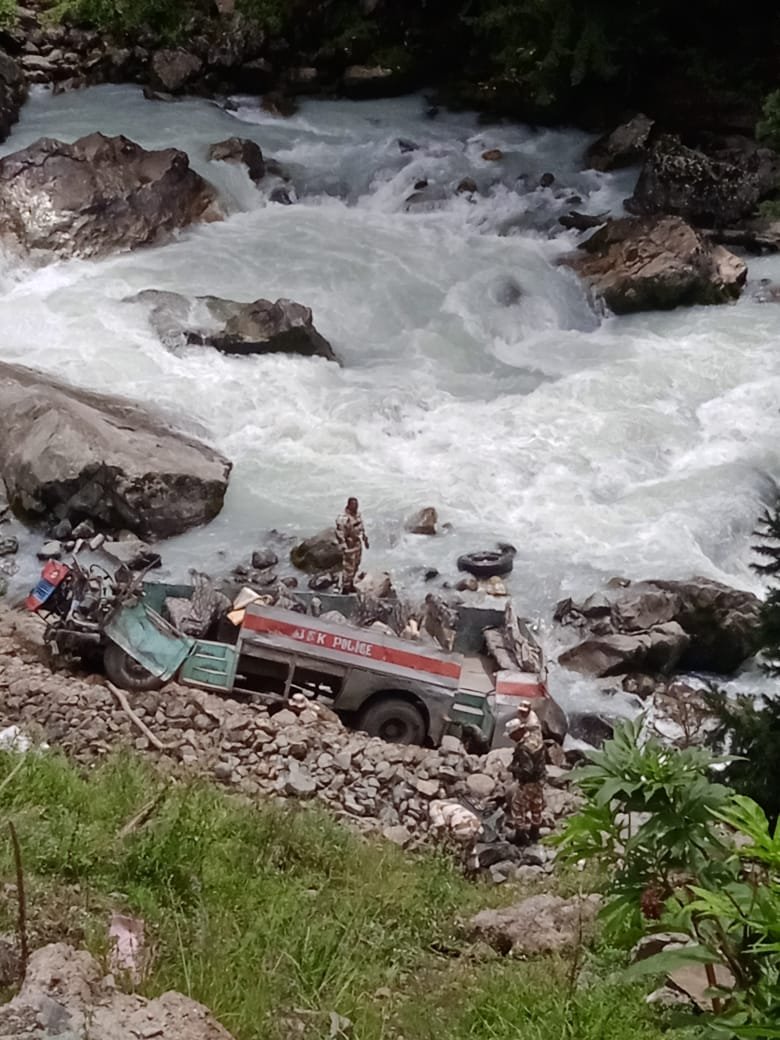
point(66, 994)
point(656, 263)
point(630, 625)
point(97, 195)
point(71, 454)
point(235, 328)
point(13, 92)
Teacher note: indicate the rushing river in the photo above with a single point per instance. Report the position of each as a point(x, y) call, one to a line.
point(476, 376)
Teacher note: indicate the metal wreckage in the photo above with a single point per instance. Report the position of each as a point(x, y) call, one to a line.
point(466, 680)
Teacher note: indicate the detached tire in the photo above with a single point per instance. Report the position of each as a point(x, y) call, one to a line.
point(394, 719)
point(488, 564)
point(127, 673)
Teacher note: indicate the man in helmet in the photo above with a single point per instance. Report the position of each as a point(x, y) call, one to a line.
point(525, 800)
point(351, 537)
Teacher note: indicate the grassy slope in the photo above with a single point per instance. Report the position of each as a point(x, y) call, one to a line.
point(275, 917)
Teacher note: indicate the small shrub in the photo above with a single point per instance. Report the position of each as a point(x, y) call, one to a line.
point(768, 126)
point(8, 14)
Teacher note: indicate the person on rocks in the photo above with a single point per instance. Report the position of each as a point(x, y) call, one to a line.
point(525, 800)
point(351, 536)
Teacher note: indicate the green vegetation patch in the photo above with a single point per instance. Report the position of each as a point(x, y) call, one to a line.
point(275, 916)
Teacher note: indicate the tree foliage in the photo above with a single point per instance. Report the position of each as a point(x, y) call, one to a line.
point(751, 734)
point(768, 548)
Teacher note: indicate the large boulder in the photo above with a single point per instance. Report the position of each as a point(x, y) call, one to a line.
point(624, 146)
point(259, 327)
point(172, 70)
point(540, 924)
point(240, 150)
point(657, 650)
point(703, 189)
point(68, 453)
point(721, 626)
point(317, 554)
point(373, 81)
point(656, 263)
point(66, 994)
point(13, 91)
point(98, 194)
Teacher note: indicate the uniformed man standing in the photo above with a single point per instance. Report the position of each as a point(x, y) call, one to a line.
point(526, 798)
point(351, 537)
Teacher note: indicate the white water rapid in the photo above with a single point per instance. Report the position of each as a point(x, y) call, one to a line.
point(476, 376)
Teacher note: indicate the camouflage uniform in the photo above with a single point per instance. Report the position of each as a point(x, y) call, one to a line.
point(351, 537)
point(526, 797)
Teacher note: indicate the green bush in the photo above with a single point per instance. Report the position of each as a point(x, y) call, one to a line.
point(768, 127)
point(679, 852)
point(7, 13)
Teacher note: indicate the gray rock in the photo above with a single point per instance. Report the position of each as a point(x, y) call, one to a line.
point(263, 327)
point(50, 551)
point(367, 81)
point(96, 195)
point(428, 788)
point(262, 559)
point(480, 785)
point(624, 146)
point(319, 553)
point(424, 521)
point(538, 925)
point(66, 995)
point(701, 189)
point(71, 452)
point(299, 784)
point(650, 945)
point(13, 91)
point(285, 718)
point(240, 150)
point(721, 624)
point(259, 327)
point(9, 545)
point(656, 650)
point(172, 70)
point(656, 263)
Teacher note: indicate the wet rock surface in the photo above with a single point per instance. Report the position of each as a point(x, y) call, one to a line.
point(705, 189)
point(97, 195)
point(240, 150)
point(662, 626)
point(625, 145)
point(258, 327)
point(71, 454)
point(13, 91)
point(656, 263)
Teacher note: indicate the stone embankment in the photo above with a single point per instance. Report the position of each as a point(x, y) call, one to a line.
point(305, 753)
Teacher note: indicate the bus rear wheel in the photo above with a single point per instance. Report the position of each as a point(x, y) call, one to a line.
point(394, 719)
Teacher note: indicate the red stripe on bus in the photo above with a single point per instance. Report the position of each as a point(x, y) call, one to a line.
point(354, 647)
point(514, 689)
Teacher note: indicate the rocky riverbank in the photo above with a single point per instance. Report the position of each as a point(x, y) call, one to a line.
point(301, 752)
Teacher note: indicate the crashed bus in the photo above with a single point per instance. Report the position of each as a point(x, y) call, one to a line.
point(400, 690)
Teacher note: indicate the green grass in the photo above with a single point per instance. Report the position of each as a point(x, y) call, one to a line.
point(270, 914)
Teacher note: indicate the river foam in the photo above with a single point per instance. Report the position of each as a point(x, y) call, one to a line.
point(476, 378)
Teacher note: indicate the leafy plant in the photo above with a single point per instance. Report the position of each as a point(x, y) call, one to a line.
point(648, 824)
point(713, 873)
